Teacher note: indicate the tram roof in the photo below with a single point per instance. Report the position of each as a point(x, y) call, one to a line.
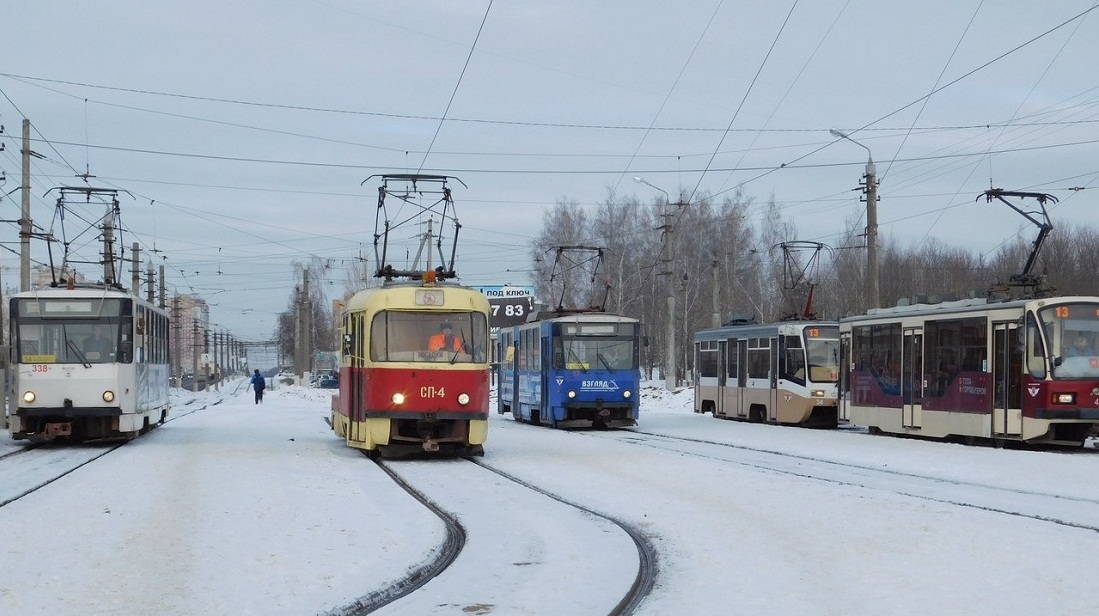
point(401, 294)
point(757, 330)
point(961, 307)
point(580, 317)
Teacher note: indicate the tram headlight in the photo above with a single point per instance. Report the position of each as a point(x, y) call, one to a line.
point(398, 398)
point(29, 397)
point(108, 396)
point(572, 394)
point(626, 394)
point(818, 393)
point(1069, 398)
point(463, 398)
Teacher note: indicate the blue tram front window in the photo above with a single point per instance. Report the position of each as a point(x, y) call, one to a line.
point(596, 354)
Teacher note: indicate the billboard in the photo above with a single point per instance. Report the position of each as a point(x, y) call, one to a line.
point(510, 304)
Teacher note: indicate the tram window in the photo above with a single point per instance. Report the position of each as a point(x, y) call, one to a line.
point(793, 367)
point(707, 358)
point(732, 358)
point(759, 363)
point(1035, 356)
point(403, 336)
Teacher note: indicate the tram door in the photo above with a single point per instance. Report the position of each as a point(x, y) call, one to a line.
point(355, 406)
point(1007, 371)
point(722, 370)
point(912, 377)
point(772, 395)
point(844, 402)
point(741, 381)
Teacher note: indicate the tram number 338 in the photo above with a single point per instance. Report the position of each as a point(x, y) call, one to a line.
point(432, 392)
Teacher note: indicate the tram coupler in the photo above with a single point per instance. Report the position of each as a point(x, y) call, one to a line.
point(430, 445)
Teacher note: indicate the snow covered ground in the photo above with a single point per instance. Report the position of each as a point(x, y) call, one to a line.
point(237, 508)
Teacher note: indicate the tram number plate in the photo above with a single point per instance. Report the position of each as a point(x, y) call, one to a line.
point(59, 429)
point(432, 392)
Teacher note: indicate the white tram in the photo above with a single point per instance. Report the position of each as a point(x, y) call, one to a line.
point(784, 372)
point(974, 369)
point(86, 363)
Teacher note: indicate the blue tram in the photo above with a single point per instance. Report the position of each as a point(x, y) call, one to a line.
point(572, 371)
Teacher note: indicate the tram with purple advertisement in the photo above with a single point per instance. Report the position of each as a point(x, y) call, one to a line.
point(975, 370)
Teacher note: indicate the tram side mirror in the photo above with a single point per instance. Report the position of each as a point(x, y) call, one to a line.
point(644, 341)
point(140, 326)
point(347, 343)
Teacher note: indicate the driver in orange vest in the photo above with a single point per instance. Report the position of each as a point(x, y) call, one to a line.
point(445, 340)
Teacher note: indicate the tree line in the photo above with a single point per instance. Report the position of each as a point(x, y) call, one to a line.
point(721, 261)
point(723, 258)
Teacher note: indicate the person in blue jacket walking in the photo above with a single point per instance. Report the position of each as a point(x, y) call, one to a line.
point(258, 384)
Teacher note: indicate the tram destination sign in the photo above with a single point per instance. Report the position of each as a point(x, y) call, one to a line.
point(510, 304)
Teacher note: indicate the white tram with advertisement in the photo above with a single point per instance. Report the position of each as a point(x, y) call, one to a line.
point(1020, 370)
point(783, 373)
point(86, 363)
point(401, 395)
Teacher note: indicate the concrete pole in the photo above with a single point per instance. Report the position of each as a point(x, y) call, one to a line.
point(715, 320)
point(872, 293)
point(217, 375)
point(135, 269)
point(150, 284)
point(25, 217)
point(177, 340)
point(194, 370)
point(307, 324)
point(669, 330)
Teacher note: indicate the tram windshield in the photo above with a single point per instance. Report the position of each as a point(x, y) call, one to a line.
point(53, 331)
point(1072, 333)
point(596, 347)
point(822, 349)
point(454, 337)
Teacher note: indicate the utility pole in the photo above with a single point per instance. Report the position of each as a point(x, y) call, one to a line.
point(177, 341)
point(669, 331)
point(194, 352)
point(217, 374)
point(150, 284)
point(25, 216)
point(872, 293)
point(666, 248)
point(715, 320)
point(870, 187)
point(135, 269)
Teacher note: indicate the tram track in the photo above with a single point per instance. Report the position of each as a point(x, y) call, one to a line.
point(453, 542)
point(1071, 511)
point(456, 538)
point(28, 470)
point(34, 466)
point(646, 554)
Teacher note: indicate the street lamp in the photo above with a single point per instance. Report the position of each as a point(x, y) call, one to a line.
point(871, 222)
point(666, 249)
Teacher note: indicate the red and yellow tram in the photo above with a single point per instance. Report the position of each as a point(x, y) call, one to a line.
point(407, 385)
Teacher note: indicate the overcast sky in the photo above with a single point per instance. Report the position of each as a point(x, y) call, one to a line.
point(244, 130)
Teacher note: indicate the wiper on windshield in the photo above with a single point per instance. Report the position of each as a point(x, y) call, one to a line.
point(603, 360)
point(579, 362)
point(76, 351)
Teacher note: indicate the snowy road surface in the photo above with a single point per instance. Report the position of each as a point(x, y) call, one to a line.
point(236, 508)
